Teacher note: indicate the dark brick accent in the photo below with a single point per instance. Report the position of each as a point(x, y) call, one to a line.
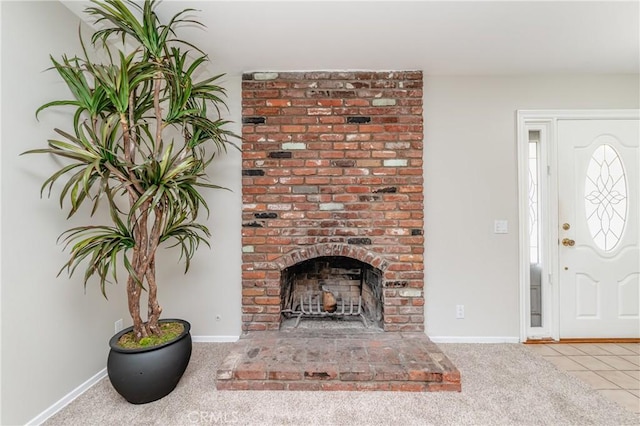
point(359, 241)
point(253, 224)
point(387, 189)
point(265, 215)
point(317, 93)
point(280, 154)
point(417, 232)
point(252, 172)
point(318, 375)
point(253, 120)
point(396, 284)
point(358, 119)
point(247, 76)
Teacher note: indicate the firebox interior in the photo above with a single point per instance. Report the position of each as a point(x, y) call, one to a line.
point(333, 288)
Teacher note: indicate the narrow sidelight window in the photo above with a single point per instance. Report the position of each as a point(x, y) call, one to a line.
point(535, 271)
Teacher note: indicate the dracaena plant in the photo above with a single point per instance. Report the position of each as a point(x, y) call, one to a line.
point(144, 129)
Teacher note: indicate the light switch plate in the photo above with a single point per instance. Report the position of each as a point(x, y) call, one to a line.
point(501, 226)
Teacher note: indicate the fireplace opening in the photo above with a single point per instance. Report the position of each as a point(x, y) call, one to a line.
point(332, 288)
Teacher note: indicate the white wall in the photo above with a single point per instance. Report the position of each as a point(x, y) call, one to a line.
point(54, 336)
point(471, 180)
point(212, 287)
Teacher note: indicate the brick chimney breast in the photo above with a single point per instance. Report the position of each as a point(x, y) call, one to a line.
point(332, 168)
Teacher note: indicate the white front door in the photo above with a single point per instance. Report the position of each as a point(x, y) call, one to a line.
point(599, 241)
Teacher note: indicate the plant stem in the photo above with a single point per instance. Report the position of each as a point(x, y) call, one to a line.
point(154, 309)
point(134, 288)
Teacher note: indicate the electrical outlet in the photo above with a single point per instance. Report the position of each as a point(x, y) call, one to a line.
point(118, 325)
point(459, 311)
point(501, 226)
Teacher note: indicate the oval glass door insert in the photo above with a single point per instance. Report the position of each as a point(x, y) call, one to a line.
point(605, 197)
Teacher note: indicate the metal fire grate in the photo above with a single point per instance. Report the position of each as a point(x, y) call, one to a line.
point(311, 307)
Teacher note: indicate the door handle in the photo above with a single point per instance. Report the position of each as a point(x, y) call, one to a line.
point(568, 242)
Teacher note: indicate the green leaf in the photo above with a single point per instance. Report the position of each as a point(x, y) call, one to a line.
point(122, 110)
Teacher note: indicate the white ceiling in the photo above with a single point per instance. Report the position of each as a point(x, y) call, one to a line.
point(439, 37)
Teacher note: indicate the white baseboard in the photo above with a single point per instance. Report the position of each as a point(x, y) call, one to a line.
point(214, 339)
point(475, 339)
point(436, 339)
point(68, 398)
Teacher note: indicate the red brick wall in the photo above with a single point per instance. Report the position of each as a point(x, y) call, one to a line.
point(332, 165)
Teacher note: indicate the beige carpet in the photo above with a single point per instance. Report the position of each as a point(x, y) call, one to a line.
point(502, 384)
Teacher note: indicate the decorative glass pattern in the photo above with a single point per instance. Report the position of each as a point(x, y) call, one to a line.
point(605, 197)
point(533, 202)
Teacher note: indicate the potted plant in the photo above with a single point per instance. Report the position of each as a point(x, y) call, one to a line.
point(139, 142)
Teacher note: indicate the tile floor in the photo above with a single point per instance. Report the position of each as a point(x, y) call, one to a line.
point(613, 369)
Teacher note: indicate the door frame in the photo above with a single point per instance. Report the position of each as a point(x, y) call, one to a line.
point(546, 122)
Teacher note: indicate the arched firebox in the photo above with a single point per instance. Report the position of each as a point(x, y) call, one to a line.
point(333, 288)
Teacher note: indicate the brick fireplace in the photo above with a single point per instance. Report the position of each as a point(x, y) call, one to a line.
point(333, 194)
point(333, 213)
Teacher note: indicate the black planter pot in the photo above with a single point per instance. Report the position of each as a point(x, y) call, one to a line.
point(148, 374)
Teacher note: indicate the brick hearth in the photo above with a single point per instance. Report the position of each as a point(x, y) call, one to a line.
point(332, 166)
point(337, 360)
